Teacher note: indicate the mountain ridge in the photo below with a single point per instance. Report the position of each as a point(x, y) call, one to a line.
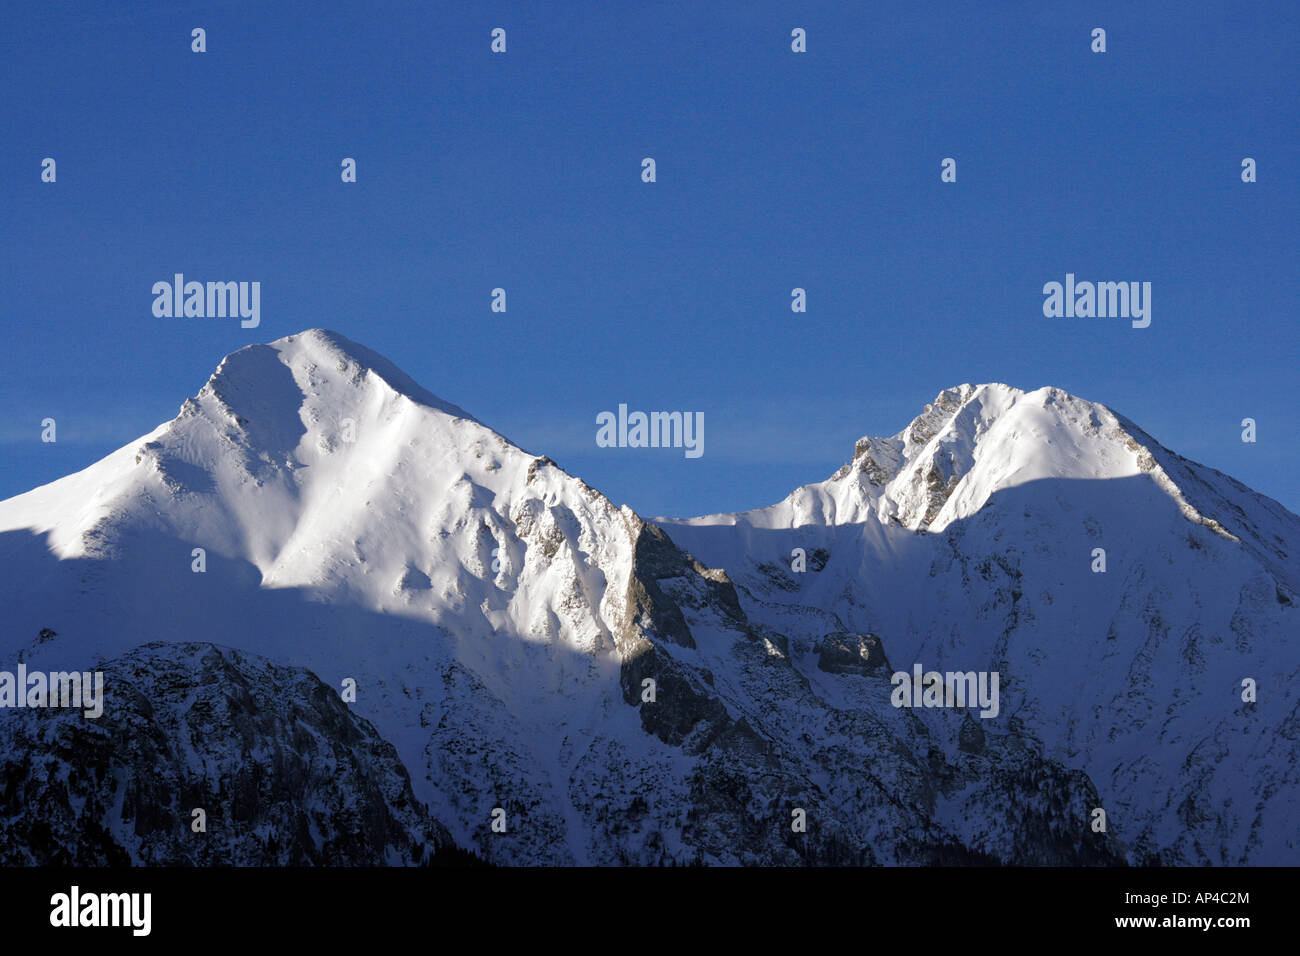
point(501, 618)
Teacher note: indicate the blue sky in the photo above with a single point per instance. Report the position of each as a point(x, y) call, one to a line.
point(775, 170)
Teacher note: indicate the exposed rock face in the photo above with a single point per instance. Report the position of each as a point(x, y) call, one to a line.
point(285, 772)
point(891, 786)
point(851, 654)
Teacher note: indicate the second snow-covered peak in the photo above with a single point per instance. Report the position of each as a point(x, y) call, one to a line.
point(970, 442)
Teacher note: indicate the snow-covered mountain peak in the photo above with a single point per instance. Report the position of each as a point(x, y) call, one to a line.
point(286, 441)
point(968, 444)
point(320, 362)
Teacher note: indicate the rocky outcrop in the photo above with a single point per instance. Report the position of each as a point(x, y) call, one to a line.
point(845, 653)
point(283, 772)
